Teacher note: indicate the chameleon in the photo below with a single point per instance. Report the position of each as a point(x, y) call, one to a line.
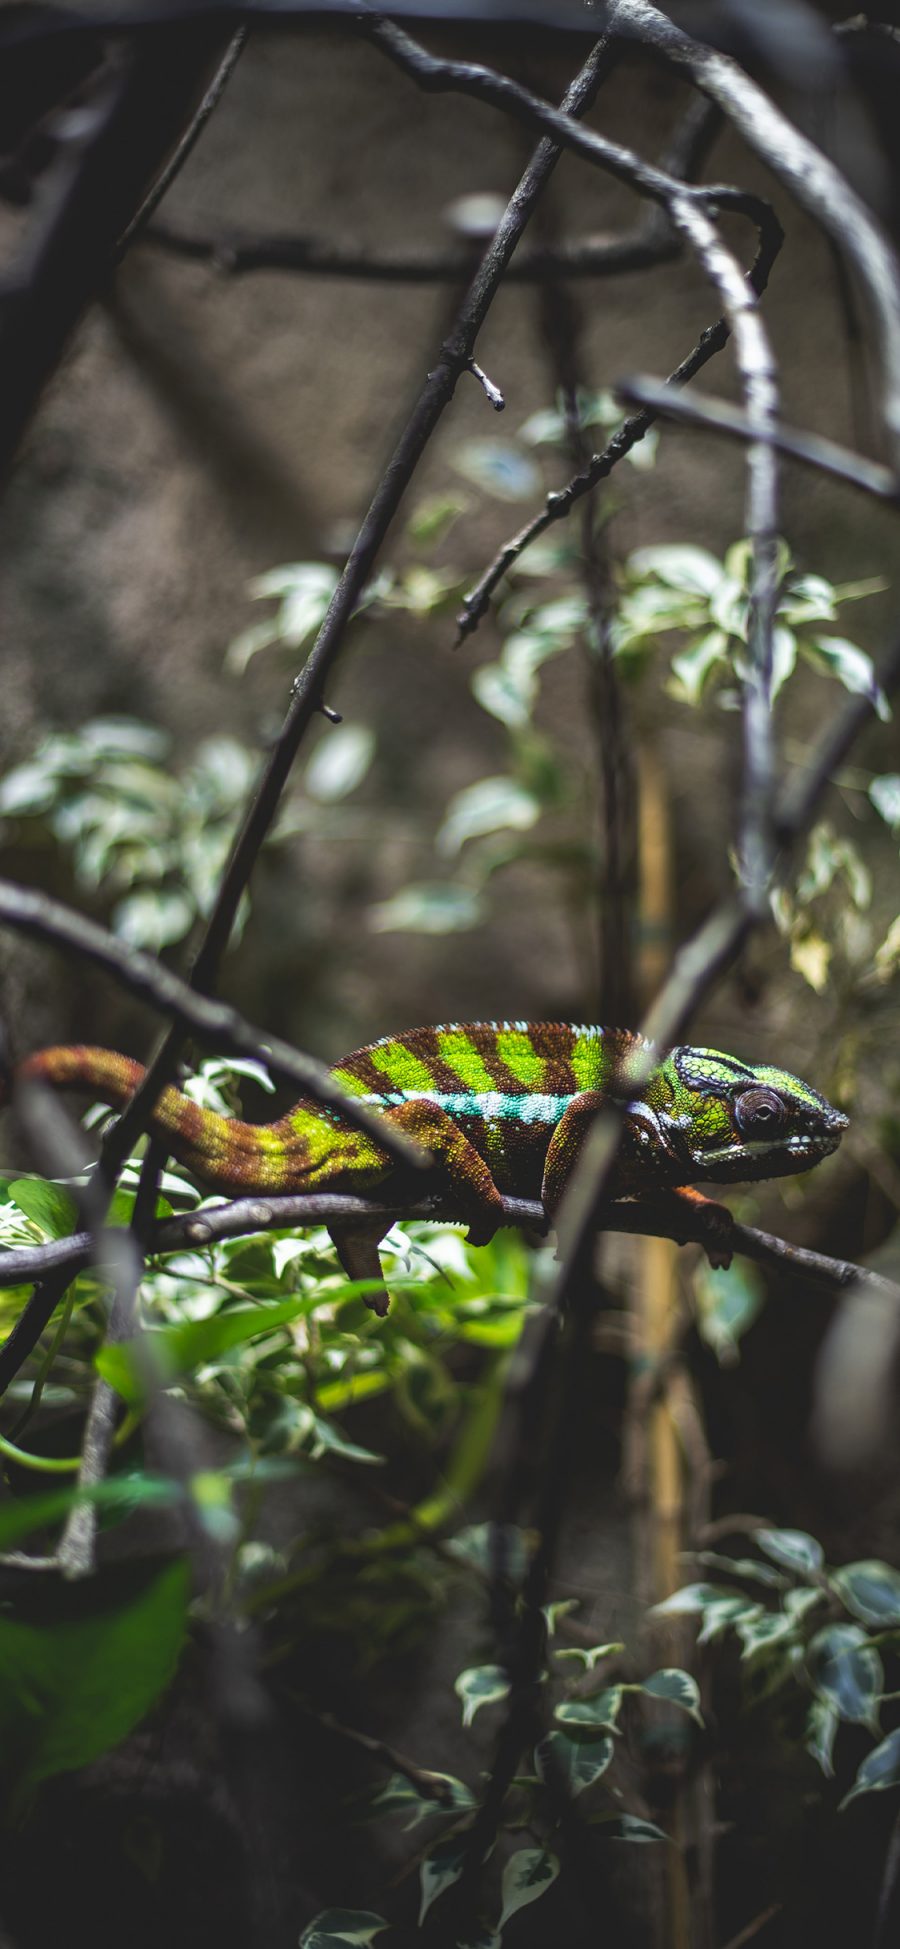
point(503, 1108)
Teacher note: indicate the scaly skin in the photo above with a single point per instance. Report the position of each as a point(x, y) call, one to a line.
point(503, 1107)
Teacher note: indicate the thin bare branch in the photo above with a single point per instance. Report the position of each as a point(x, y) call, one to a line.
point(720, 416)
point(816, 183)
point(188, 141)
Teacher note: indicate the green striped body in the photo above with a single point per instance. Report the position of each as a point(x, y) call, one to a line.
point(503, 1106)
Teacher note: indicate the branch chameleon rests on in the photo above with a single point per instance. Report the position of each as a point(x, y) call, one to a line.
point(503, 1107)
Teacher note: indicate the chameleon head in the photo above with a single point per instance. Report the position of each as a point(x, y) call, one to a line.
point(729, 1121)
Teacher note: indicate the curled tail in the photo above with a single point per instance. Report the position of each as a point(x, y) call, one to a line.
point(306, 1148)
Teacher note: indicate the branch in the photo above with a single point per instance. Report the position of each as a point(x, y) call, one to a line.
point(651, 242)
point(188, 142)
point(719, 416)
point(815, 181)
point(651, 1217)
point(562, 500)
point(36, 914)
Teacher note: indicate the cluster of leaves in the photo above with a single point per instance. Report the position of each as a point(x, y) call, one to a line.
point(822, 1632)
point(590, 1712)
point(153, 841)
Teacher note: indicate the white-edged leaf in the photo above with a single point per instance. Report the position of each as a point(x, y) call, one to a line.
point(851, 666)
point(784, 656)
point(342, 1928)
point(884, 793)
point(495, 804)
point(821, 1726)
point(601, 1710)
point(439, 1870)
point(339, 763)
point(691, 1597)
point(744, 1566)
point(498, 467)
point(438, 908)
point(588, 1655)
point(767, 1629)
point(480, 1685)
point(153, 919)
point(846, 1670)
point(575, 1763)
point(693, 666)
point(794, 1549)
point(677, 1687)
point(879, 1769)
point(628, 1827)
point(402, 1795)
point(527, 1875)
point(870, 1590)
point(680, 565)
point(506, 693)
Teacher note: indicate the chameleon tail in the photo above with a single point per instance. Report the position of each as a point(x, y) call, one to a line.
point(301, 1150)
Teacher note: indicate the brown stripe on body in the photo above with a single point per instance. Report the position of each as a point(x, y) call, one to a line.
point(554, 1042)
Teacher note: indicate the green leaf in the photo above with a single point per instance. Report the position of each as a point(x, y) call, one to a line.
point(507, 694)
point(432, 517)
point(743, 1566)
point(884, 793)
point(879, 1769)
point(153, 918)
point(75, 1684)
point(576, 1763)
point(601, 1710)
point(691, 1597)
point(423, 909)
point(693, 666)
point(628, 1827)
point(402, 1795)
point(50, 1207)
point(490, 805)
point(760, 1632)
point(480, 1685)
point(680, 566)
point(439, 1870)
point(527, 1875)
point(677, 1687)
point(846, 1671)
point(729, 1299)
point(836, 657)
point(794, 1549)
point(784, 657)
point(500, 468)
point(821, 1727)
point(871, 1590)
point(162, 1355)
point(342, 1928)
point(588, 1655)
point(339, 763)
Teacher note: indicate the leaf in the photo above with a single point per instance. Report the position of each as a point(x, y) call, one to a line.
point(784, 657)
point(680, 566)
point(677, 1687)
point(75, 1684)
point(879, 1769)
point(490, 805)
point(342, 1928)
point(846, 1671)
point(729, 1299)
point(601, 1710)
point(693, 666)
point(794, 1549)
point(871, 1590)
point(480, 1685)
point(339, 763)
point(498, 467)
point(439, 1870)
point(423, 909)
point(810, 957)
point(153, 918)
point(758, 1573)
point(164, 1354)
point(527, 1875)
point(48, 1205)
point(691, 1597)
point(628, 1827)
point(852, 667)
point(402, 1795)
point(760, 1632)
point(506, 693)
point(884, 793)
point(490, 1547)
point(575, 1763)
point(887, 956)
point(588, 1655)
point(821, 1727)
point(432, 517)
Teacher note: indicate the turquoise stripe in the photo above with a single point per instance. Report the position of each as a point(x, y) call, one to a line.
point(530, 1107)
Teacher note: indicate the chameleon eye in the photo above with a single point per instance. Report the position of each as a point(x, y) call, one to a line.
point(759, 1112)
